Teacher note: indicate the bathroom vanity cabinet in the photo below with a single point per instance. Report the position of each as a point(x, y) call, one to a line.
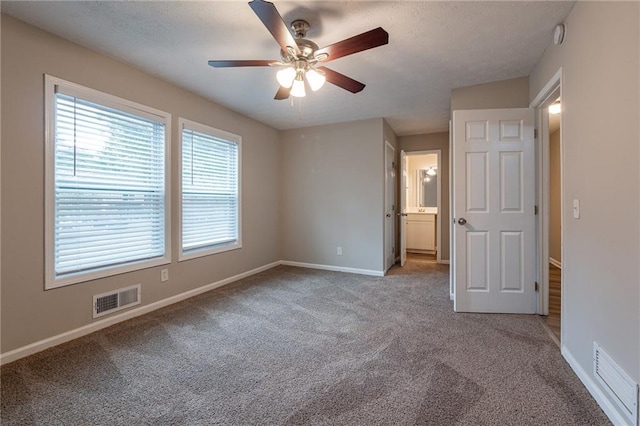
point(421, 232)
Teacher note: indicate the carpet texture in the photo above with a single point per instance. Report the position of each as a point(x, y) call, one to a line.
point(295, 346)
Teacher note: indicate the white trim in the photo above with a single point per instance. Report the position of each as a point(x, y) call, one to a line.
point(184, 123)
point(97, 96)
point(555, 262)
point(542, 190)
point(601, 398)
point(438, 153)
point(334, 268)
point(52, 85)
point(393, 212)
point(451, 260)
point(547, 90)
point(99, 325)
point(445, 262)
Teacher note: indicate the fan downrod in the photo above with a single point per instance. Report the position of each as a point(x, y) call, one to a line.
point(307, 48)
point(300, 28)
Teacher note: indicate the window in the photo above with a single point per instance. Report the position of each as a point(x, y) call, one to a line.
point(106, 185)
point(209, 190)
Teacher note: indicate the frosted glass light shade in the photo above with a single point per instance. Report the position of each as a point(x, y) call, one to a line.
point(431, 171)
point(555, 108)
point(286, 76)
point(297, 89)
point(316, 79)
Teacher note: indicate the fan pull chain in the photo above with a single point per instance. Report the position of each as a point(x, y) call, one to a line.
point(300, 109)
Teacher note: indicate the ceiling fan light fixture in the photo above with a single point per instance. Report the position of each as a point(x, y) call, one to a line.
point(298, 55)
point(432, 171)
point(297, 89)
point(555, 108)
point(315, 78)
point(286, 76)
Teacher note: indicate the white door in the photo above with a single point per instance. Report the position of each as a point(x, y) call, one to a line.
point(403, 208)
point(390, 214)
point(493, 206)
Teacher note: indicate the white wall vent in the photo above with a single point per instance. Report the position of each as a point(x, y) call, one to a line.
point(113, 301)
point(617, 383)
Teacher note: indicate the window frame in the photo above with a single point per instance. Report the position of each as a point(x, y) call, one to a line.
point(52, 85)
point(187, 124)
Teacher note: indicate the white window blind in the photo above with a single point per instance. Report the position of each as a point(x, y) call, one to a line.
point(210, 190)
point(109, 196)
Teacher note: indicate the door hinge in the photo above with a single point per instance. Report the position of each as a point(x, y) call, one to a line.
point(535, 210)
point(535, 133)
point(536, 286)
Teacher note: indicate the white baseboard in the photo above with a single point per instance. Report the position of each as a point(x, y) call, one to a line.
point(444, 261)
point(334, 268)
point(603, 401)
point(555, 263)
point(106, 322)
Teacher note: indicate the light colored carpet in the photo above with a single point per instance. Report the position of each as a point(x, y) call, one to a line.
point(296, 346)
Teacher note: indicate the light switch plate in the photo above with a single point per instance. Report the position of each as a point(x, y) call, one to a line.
point(576, 209)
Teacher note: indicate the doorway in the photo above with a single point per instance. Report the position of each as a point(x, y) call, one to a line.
point(550, 200)
point(421, 198)
point(390, 209)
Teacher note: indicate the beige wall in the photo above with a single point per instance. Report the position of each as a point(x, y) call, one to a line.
point(512, 93)
point(600, 89)
point(333, 194)
point(29, 313)
point(555, 187)
point(428, 142)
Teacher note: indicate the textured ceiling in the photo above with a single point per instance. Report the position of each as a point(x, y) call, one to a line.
point(433, 48)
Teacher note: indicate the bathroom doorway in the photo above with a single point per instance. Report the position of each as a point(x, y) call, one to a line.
point(422, 190)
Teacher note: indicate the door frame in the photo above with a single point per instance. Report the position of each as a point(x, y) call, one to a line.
point(438, 152)
point(387, 189)
point(540, 103)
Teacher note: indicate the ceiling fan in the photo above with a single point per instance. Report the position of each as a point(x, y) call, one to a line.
point(300, 56)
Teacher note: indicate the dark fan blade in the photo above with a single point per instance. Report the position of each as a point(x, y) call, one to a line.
point(355, 44)
point(342, 80)
point(283, 93)
point(271, 19)
point(234, 63)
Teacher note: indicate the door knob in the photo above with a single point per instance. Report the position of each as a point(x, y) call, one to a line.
point(462, 221)
point(402, 214)
point(388, 215)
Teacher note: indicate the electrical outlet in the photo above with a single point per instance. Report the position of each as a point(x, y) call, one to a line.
point(339, 251)
point(164, 275)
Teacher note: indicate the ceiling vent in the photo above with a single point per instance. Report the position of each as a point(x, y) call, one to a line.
point(114, 301)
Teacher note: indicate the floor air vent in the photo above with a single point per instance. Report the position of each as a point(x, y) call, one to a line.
point(616, 382)
point(113, 301)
